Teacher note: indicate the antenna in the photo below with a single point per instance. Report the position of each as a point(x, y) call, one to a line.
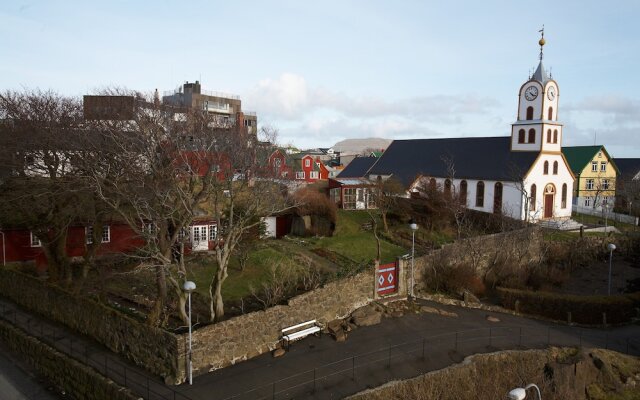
point(595, 136)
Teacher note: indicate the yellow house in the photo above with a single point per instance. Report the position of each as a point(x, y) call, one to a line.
point(596, 174)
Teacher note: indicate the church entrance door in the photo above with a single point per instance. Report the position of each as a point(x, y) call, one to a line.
point(549, 192)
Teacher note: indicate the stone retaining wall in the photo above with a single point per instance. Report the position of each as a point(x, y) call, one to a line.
point(516, 248)
point(151, 348)
point(80, 381)
point(246, 336)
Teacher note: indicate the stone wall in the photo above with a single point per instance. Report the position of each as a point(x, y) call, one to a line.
point(151, 348)
point(80, 381)
point(516, 248)
point(240, 338)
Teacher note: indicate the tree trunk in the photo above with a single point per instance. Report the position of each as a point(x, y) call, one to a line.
point(155, 316)
point(216, 304)
point(384, 222)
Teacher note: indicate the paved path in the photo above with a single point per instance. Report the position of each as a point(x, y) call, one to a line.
point(19, 382)
point(323, 369)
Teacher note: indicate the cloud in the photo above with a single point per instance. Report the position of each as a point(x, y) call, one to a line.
point(612, 108)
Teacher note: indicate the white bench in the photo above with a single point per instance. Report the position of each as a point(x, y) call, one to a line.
point(300, 331)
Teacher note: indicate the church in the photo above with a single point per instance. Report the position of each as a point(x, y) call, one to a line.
point(524, 176)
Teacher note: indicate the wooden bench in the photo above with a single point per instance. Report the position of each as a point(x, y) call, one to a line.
point(300, 331)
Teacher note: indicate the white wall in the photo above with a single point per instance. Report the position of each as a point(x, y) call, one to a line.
point(269, 227)
point(536, 175)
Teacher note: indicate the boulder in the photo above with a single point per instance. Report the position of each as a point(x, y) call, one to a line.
point(469, 297)
point(279, 352)
point(366, 316)
point(491, 318)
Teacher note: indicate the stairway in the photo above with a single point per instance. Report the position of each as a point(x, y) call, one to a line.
point(560, 224)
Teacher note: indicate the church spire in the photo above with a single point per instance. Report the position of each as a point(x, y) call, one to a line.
point(541, 75)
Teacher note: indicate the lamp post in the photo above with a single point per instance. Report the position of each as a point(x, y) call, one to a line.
point(606, 215)
point(189, 287)
point(414, 228)
point(521, 393)
point(611, 248)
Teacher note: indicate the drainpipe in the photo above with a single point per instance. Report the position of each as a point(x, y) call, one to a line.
point(4, 258)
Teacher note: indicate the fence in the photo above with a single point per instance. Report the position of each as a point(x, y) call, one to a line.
point(611, 216)
point(352, 374)
point(92, 355)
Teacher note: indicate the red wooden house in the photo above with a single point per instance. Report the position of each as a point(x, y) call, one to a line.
point(310, 169)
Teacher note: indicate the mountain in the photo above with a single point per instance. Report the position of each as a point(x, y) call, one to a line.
point(359, 145)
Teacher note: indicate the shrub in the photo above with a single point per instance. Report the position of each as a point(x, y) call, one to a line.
point(583, 309)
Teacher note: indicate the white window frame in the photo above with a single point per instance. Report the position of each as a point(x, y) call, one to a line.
point(105, 238)
point(307, 162)
point(603, 166)
point(590, 184)
point(300, 175)
point(594, 166)
point(106, 234)
point(213, 232)
point(605, 184)
point(587, 201)
point(314, 175)
point(34, 241)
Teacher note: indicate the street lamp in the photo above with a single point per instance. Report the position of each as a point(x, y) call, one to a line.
point(521, 393)
point(189, 287)
point(414, 228)
point(611, 248)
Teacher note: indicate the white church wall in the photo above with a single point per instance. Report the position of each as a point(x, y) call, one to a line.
point(537, 176)
point(535, 146)
point(535, 103)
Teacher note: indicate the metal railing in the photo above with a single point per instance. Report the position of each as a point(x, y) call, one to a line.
point(110, 366)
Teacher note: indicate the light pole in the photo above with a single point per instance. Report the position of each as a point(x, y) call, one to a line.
point(189, 287)
point(521, 393)
point(606, 215)
point(414, 228)
point(611, 248)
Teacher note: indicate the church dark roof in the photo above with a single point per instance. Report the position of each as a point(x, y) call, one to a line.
point(358, 167)
point(487, 158)
point(541, 75)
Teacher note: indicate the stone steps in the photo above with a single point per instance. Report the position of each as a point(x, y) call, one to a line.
point(562, 225)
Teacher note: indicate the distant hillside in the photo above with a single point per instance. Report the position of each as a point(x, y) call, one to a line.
point(358, 145)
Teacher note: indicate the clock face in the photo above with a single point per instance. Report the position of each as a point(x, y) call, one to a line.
point(531, 93)
point(551, 93)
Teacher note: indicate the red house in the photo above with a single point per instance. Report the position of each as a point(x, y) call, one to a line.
point(310, 169)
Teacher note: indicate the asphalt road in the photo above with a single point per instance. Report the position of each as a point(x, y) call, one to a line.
point(19, 382)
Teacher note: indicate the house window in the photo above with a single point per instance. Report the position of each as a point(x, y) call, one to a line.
point(555, 136)
point(555, 168)
point(605, 184)
point(594, 166)
point(104, 238)
point(529, 113)
point(549, 136)
point(521, 135)
point(360, 195)
point(533, 197)
point(35, 242)
point(545, 169)
point(149, 229)
point(532, 135)
point(334, 195)
point(313, 175)
point(349, 197)
point(300, 175)
point(497, 198)
point(587, 201)
point(590, 184)
point(480, 194)
point(564, 196)
point(599, 154)
point(550, 113)
point(463, 192)
point(213, 232)
point(278, 163)
point(603, 166)
point(307, 163)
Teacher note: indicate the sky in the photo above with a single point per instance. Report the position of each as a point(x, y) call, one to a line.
point(320, 72)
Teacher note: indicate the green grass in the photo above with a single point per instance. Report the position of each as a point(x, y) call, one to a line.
point(599, 220)
point(351, 241)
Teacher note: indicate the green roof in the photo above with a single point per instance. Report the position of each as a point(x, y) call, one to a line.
point(579, 157)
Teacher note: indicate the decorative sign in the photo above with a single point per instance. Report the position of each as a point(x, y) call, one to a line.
point(387, 277)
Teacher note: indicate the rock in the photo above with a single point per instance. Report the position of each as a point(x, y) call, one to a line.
point(278, 353)
point(350, 327)
point(469, 297)
point(491, 318)
point(340, 336)
point(334, 326)
point(366, 316)
point(429, 310)
point(397, 314)
point(448, 314)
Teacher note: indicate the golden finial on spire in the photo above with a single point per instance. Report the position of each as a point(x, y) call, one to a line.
point(541, 42)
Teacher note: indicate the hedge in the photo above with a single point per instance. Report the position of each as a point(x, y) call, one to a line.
point(583, 309)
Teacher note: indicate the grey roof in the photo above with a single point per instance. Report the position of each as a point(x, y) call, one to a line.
point(357, 168)
point(540, 75)
point(487, 158)
point(628, 167)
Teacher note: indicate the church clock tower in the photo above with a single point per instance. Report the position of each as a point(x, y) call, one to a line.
point(537, 127)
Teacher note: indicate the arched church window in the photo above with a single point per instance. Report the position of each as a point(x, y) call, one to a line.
point(529, 113)
point(555, 136)
point(555, 168)
point(550, 118)
point(545, 169)
point(521, 136)
point(533, 197)
point(480, 194)
point(564, 196)
point(532, 135)
point(497, 198)
point(463, 192)
point(549, 136)
point(447, 187)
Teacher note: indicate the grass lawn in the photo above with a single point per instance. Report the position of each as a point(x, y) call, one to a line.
point(351, 241)
point(599, 220)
